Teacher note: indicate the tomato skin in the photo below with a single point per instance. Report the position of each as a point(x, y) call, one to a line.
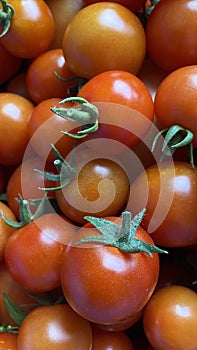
point(180, 107)
point(15, 111)
point(9, 64)
point(171, 44)
point(100, 188)
point(5, 230)
point(55, 327)
point(41, 81)
point(8, 341)
point(103, 284)
point(108, 29)
point(31, 30)
point(18, 183)
point(133, 5)
point(33, 253)
point(169, 309)
point(63, 11)
point(104, 340)
point(17, 85)
point(172, 187)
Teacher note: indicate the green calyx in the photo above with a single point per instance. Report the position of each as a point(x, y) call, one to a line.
point(6, 15)
point(25, 213)
point(121, 237)
point(85, 114)
point(66, 171)
point(175, 137)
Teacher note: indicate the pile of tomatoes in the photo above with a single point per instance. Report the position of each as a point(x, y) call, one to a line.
point(98, 179)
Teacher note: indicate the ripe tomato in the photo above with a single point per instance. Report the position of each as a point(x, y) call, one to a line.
point(100, 188)
point(5, 230)
point(8, 341)
point(104, 36)
point(55, 327)
point(21, 297)
point(41, 81)
point(168, 191)
point(133, 5)
point(170, 319)
point(18, 183)
point(15, 111)
point(104, 284)
point(18, 85)
point(44, 129)
point(171, 44)
point(32, 29)
point(9, 64)
point(179, 107)
point(33, 253)
point(63, 11)
point(104, 340)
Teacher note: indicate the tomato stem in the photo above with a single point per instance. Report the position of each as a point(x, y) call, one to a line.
point(85, 114)
point(121, 237)
point(6, 15)
point(175, 137)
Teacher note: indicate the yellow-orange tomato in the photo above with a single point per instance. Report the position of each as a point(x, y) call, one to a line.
point(104, 36)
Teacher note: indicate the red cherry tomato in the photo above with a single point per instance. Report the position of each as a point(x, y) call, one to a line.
point(169, 309)
point(8, 341)
point(104, 284)
point(55, 327)
point(170, 32)
point(9, 64)
point(42, 83)
point(15, 111)
point(104, 36)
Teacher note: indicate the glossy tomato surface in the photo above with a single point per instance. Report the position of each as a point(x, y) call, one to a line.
point(104, 36)
point(15, 111)
point(42, 81)
point(39, 246)
point(104, 340)
point(103, 283)
point(8, 341)
point(175, 100)
point(32, 29)
point(55, 327)
point(171, 311)
point(170, 32)
point(168, 191)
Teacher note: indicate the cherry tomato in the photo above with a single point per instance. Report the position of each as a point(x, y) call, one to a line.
point(170, 32)
point(104, 36)
point(21, 297)
point(18, 183)
point(9, 64)
point(5, 230)
point(104, 340)
point(42, 83)
point(15, 111)
point(18, 85)
point(55, 327)
point(8, 341)
point(44, 129)
point(100, 188)
point(133, 5)
point(33, 253)
point(32, 29)
point(180, 107)
point(103, 283)
point(168, 192)
point(63, 11)
point(170, 319)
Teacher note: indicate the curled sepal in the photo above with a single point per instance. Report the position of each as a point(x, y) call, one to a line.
point(25, 213)
point(6, 15)
point(175, 137)
point(8, 329)
point(66, 171)
point(84, 113)
point(121, 237)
